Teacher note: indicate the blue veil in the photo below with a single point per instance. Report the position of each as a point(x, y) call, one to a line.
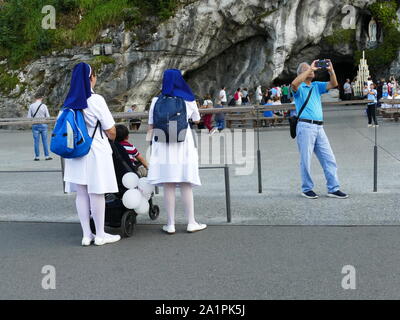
point(174, 85)
point(80, 89)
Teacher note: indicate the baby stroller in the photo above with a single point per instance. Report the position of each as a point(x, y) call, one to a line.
point(117, 215)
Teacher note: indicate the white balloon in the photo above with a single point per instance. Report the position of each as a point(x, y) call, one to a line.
point(130, 180)
point(144, 206)
point(146, 188)
point(147, 195)
point(132, 199)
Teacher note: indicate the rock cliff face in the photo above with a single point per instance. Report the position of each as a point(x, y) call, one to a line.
point(236, 43)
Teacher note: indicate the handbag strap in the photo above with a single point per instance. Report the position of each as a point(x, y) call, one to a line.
point(37, 110)
point(95, 129)
point(305, 103)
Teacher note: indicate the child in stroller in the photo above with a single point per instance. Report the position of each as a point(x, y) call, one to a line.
point(117, 215)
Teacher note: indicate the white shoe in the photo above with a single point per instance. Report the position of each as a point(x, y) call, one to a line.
point(370, 126)
point(108, 238)
point(169, 229)
point(87, 241)
point(213, 130)
point(194, 227)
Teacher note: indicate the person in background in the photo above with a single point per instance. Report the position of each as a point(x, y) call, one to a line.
point(347, 90)
point(267, 95)
point(369, 82)
point(274, 92)
point(390, 88)
point(207, 118)
point(259, 95)
point(269, 114)
point(371, 111)
point(385, 90)
point(285, 94)
point(379, 90)
point(219, 117)
point(365, 91)
point(222, 96)
point(246, 97)
point(134, 123)
point(38, 110)
point(238, 97)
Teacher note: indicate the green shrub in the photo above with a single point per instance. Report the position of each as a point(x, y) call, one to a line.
point(99, 61)
point(7, 82)
point(22, 38)
point(385, 13)
point(343, 36)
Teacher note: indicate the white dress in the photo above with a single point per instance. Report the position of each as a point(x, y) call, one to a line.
point(96, 169)
point(175, 162)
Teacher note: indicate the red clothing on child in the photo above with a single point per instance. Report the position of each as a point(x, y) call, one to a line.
point(132, 151)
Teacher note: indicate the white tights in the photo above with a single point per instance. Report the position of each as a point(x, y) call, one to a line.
point(94, 203)
point(187, 199)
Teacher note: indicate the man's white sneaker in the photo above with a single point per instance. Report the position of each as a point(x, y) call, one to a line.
point(194, 227)
point(169, 229)
point(87, 241)
point(108, 238)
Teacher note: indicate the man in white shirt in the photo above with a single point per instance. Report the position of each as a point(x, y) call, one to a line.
point(222, 97)
point(38, 110)
point(347, 90)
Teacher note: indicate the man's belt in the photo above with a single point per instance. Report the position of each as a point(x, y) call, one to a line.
point(320, 123)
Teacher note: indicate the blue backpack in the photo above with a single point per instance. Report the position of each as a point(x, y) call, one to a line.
point(169, 119)
point(70, 138)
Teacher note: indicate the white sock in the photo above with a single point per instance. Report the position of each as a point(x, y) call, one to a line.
point(82, 207)
point(98, 209)
point(169, 202)
point(188, 203)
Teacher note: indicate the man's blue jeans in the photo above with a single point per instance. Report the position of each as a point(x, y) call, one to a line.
point(220, 124)
point(312, 138)
point(40, 130)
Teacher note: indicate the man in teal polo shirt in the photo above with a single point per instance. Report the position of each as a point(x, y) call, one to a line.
point(311, 136)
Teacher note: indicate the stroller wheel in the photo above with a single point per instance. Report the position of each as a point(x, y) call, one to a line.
point(154, 212)
point(92, 226)
point(128, 222)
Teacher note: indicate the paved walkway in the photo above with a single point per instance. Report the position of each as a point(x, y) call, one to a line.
point(237, 262)
point(39, 197)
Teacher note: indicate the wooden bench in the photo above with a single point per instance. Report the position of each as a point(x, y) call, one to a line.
point(390, 113)
point(241, 120)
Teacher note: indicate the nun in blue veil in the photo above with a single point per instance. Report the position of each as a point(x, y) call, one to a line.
point(93, 175)
point(175, 165)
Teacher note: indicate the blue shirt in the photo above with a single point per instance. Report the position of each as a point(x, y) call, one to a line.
point(372, 96)
point(313, 110)
point(268, 114)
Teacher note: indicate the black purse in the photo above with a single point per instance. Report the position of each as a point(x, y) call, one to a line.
point(295, 119)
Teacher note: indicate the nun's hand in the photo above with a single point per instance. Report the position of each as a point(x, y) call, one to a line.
point(111, 133)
